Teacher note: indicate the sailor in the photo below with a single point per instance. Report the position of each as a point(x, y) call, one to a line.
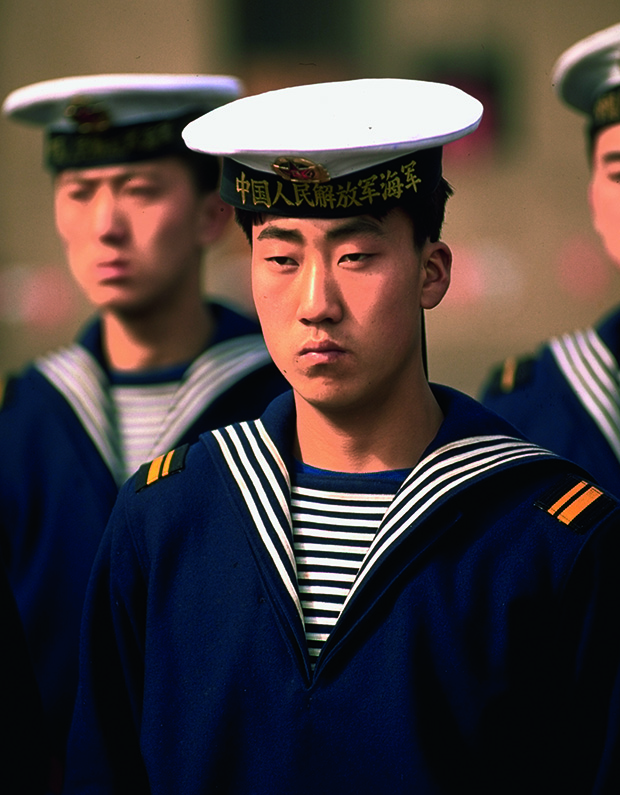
point(567, 396)
point(385, 588)
point(136, 212)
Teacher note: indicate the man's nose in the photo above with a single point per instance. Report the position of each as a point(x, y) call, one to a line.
point(108, 218)
point(319, 299)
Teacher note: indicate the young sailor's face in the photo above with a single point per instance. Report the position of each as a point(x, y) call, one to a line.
point(132, 232)
point(339, 303)
point(605, 189)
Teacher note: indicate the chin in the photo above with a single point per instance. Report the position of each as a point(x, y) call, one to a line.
point(329, 402)
point(123, 307)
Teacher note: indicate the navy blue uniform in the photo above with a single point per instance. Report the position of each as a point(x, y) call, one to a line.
point(22, 756)
point(477, 650)
point(567, 398)
point(60, 473)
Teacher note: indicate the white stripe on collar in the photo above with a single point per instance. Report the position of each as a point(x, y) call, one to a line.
point(77, 375)
point(263, 480)
point(260, 473)
point(208, 377)
point(437, 476)
point(592, 373)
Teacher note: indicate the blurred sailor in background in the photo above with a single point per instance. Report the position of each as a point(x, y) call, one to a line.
point(136, 211)
point(567, 396)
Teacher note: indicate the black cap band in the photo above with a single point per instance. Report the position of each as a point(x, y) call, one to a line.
point(606, 110)
point(304, 189)
point(127, 144)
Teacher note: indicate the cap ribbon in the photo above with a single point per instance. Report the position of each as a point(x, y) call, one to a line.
point(310, 192)
point(606, 109)
point(122, 144)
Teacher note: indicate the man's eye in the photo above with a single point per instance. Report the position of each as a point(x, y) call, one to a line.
point(79, 193)
point(357, 256)
point(142, 189)
point(281, 260)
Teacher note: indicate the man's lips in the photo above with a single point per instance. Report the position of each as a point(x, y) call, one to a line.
point(112, 269)
point(321, 352)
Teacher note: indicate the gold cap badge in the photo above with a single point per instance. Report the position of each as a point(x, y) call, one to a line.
point(89, 116)
point(300, 169)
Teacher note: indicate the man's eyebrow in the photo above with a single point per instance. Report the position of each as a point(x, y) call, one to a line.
point(356, 226)
point(91, 177)
point(347, 229)
point(277, 233)
point(611, 157)
point(68, 177)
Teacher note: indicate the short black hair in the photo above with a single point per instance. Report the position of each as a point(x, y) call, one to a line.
point(426, 211)
point(205, 170)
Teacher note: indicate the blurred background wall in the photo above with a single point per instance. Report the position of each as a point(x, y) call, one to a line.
point(526, 261)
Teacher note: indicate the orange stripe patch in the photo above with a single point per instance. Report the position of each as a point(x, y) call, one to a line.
point(566, 497)
point(573, 510)
point(577, 504)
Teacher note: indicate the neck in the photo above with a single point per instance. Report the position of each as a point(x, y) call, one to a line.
point(160, 339)
point(371, 440)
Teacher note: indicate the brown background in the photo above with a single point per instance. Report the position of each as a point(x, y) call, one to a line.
point(527, 264)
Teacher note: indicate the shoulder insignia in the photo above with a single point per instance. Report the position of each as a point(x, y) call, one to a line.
point(511, 374)
point(161, 467)
point(576, 503)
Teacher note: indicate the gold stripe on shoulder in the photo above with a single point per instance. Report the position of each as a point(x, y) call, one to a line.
point(576, 503)
point(162, 466)
point(166, 466)
point(154, 470)
point(583, 501)
point(563, 500)
point(509, 371)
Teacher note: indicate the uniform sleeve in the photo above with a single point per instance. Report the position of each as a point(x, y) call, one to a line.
point(22, 753)
point(587, 668)
point(104, 752)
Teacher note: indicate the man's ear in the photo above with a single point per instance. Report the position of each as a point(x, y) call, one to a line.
point(214, 216)
point(437, 265)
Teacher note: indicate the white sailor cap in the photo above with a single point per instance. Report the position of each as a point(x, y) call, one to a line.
point(101, 119)
point(334, 149)
point(587, 77)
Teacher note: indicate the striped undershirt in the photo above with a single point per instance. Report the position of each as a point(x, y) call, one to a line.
point(332, 531)
point(142, 403)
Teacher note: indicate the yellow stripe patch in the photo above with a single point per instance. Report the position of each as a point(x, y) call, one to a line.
point(509, 372)
point(154, 470)
point(166, 467)
point(162, 466)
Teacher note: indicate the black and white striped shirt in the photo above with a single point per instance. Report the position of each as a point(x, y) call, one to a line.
point(143, 403)
point(332, 531)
